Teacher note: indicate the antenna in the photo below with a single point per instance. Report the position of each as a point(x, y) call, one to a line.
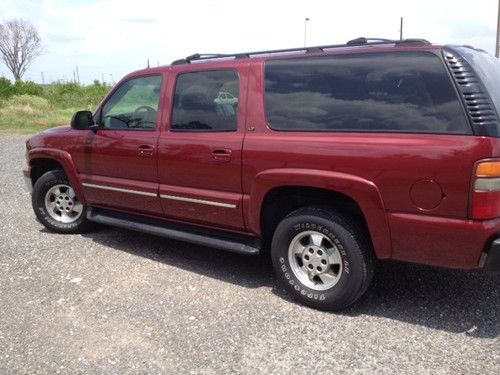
point(401, 29)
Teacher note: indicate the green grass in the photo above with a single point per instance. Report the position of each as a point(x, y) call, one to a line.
point(25, 113)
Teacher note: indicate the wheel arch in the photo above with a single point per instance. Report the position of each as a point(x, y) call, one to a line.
point(40, 166)
point(45, 160)
point(271, 200)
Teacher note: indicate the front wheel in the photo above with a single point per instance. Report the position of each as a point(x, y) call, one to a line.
point(56, 205)
point(322, 258)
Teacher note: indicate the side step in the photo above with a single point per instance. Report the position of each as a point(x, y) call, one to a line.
point(199, 236)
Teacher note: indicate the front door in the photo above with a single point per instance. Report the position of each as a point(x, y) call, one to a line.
point(118, 163)
point(199, 157)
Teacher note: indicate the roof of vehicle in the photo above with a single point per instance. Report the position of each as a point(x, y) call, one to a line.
point(356, 45)
point(197, 57)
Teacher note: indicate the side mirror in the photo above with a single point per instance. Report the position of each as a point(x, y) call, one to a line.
point(83, 120)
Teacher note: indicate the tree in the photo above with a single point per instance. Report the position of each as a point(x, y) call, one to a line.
point(19, 45)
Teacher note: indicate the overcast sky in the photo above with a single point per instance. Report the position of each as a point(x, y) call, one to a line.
point(109, 38)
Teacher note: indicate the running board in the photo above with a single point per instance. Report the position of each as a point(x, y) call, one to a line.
point(199, 236)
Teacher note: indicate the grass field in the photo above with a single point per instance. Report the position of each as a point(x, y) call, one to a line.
point(30, 108)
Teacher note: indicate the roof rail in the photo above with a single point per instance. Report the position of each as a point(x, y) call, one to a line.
point(353, 42)
point(363, 40)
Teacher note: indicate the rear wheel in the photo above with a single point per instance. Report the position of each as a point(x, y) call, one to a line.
point(56, 205)
point(322, 258)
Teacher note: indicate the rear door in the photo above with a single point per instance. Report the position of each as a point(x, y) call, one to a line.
point(199, 157)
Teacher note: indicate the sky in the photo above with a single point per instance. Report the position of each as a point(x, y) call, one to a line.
point(107, 39)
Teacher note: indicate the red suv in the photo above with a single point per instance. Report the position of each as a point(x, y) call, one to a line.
point(330, 157)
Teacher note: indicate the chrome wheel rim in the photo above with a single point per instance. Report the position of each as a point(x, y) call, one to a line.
point(62, 205)
point(315, 260)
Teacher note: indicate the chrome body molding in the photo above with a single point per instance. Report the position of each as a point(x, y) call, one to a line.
point(199, 201)
point(121, 190)
point(163, 196)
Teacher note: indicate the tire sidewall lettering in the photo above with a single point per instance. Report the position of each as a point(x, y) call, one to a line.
point(297, 286)
point(41, 211)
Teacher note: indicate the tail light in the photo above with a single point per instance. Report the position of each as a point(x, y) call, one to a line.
point(485, 202)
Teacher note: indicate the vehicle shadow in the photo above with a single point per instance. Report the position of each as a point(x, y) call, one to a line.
point(449, 300)
point(245, 271)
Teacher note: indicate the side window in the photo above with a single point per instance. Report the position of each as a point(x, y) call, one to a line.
point(206, 101)
point(134, 105)
point(390, 92)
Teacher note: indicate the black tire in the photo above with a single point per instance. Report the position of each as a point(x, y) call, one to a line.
point(42, 186)
point(349, 278)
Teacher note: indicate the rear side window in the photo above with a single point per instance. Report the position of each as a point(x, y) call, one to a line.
point(206, 101)
point(390, 92)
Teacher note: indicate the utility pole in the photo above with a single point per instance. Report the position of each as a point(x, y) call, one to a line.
point(305, 31)
point(401, 29)
point(77, 75)
point(43, 79)
point(497, 47)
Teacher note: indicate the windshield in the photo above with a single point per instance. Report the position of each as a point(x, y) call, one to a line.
point(487, 68)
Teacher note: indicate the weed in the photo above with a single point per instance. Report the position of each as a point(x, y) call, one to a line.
point(28, 108)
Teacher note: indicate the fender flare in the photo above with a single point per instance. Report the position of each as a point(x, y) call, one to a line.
point(65, 159)
point(364, 192)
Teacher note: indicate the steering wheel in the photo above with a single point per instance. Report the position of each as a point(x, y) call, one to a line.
point(150, 113)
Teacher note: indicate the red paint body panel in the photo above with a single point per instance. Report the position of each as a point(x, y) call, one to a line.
point(65, 159)
point(112, 158)
point(414, 190)
point(440, 241)
point(188, 167)
point(186, 164)
point(227, 217)
point(364, 192)
point(122, 200)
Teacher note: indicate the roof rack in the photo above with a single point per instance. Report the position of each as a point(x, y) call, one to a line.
point(363, 40)
point(353, 42)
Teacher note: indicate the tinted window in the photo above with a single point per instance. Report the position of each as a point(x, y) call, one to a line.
point(400, 92)
point(206, 101)
point(134, 105)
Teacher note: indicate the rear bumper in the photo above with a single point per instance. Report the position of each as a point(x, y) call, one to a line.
point(444, 242)
point(490, 260)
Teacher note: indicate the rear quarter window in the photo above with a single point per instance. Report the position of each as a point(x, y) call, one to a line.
point(389, 92)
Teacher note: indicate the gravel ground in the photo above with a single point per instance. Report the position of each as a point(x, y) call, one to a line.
point(114, 301)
